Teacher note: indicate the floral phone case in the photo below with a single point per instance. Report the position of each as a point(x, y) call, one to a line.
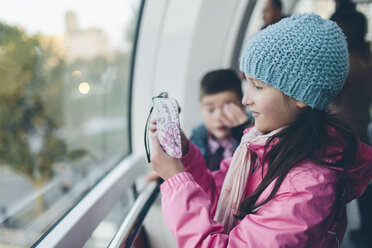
point(168, 125)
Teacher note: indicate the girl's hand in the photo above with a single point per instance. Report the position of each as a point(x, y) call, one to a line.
point(233, 115)
point(184, 140)
point(165, 165)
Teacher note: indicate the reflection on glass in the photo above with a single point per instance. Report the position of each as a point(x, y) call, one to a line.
point(63, 106)
point(84, 88)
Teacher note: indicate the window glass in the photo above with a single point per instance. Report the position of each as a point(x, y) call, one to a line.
point(64, 100)
point(366, 9)
point(324, 8)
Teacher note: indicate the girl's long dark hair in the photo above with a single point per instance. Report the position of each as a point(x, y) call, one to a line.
point(305, 138)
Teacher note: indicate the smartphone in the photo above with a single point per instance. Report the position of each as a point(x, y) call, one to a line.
point(166, 113)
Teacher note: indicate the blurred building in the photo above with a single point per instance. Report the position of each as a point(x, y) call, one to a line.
point(84, 44)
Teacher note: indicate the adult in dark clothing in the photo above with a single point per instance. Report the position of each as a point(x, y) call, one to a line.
point(272, 12)
point(343, 7)
point(354, 101)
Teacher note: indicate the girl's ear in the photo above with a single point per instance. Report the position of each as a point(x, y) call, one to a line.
point(300, 104)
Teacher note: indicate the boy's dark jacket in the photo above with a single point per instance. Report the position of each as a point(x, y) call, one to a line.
point(199, 137)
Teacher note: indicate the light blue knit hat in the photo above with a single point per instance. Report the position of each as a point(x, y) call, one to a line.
point(304, 56)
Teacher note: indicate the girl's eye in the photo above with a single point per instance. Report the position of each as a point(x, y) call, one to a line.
point(210, 111)
point(255, 85)
point(258, 87)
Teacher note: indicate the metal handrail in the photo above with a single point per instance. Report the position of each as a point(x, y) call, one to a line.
point(132, 224)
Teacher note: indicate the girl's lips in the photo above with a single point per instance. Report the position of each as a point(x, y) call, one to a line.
point(254, 114)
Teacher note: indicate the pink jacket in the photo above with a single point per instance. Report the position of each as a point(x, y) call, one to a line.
point(297, 216)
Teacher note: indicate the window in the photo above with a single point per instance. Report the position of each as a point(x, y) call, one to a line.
point(325, 8)
point(64, 106)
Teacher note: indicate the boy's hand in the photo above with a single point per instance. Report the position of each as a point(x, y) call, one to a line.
point(165, 165)
point(233, 115)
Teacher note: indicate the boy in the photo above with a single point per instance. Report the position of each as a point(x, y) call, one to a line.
point(223, 115)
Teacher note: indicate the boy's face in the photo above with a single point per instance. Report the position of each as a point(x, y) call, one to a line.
point(211, 107)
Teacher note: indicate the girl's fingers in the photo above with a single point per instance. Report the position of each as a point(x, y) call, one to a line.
point(153, 126)
point(156, 147)
point(157, 152)
point(162, 163)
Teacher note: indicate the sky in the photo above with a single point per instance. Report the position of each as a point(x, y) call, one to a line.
point(48, 16)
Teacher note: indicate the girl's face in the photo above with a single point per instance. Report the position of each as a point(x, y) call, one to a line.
point(270, 108)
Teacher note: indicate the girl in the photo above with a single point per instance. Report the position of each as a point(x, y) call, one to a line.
point(288, 182)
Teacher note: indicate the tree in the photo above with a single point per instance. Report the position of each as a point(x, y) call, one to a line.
point(29, 140)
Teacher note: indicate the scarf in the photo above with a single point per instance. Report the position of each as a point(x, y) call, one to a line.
point(236, 179)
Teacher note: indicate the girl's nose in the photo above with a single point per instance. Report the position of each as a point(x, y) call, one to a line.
point(247, 98)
